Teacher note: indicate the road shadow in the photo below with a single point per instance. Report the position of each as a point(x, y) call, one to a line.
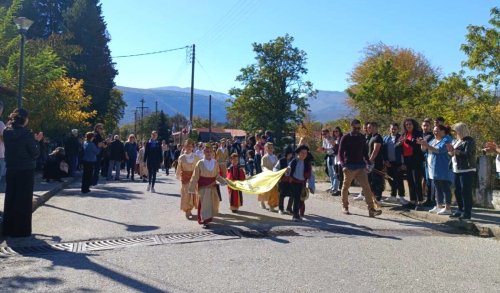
point(75, 261)
point(249, 221)
point(114, 192)
point(169, 194)
point(130, 228)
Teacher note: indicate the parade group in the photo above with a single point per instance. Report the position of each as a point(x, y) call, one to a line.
point(432, 158)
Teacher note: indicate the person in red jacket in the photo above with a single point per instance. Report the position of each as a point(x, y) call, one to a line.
point(235, 173)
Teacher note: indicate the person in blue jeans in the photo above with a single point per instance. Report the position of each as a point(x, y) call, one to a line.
point(438, 162)
point(463, 152)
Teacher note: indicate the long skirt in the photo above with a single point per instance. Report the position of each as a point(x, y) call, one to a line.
point(272, 197)
point(18, 206)
point(188, 201)
point(208, 204)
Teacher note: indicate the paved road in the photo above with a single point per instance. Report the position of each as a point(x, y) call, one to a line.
point(123, 239)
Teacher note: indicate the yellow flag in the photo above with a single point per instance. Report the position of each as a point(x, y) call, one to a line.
point(260, 183)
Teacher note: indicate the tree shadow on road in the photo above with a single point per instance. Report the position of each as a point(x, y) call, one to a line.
point(130, 228)
point(265, 224)
point(104, 192)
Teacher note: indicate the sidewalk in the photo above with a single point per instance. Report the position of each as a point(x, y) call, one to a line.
point(42, 192)
point(484, 222)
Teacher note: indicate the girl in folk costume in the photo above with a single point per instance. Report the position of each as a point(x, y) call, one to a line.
point(222, 157)
point(143, 168)
point(184, 172)
point(206, 173)
point(284, 183)
point(299, 173)
point(235, 173)
point(269, 160)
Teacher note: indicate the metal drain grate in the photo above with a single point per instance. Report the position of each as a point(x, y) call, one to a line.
point(179, 238)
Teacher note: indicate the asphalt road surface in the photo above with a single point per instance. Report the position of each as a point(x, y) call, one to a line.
point(120, 238)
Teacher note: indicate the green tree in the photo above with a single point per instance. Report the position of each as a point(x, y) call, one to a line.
point(163, 127)
point(115, 111)
point(94, 65)
point(390, 83)
point(483, 50)
point(274, 95)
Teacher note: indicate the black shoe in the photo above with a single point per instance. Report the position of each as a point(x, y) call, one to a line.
point(456, 214)
point(428, 204)
point(419, 207)
point(336, 193)
point(409, 206)
point(464, 217)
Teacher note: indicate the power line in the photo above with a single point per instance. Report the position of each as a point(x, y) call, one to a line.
point(151, 53)
point(206, 72)
point(229, 23)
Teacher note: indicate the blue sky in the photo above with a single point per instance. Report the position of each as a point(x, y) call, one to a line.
point(332, 32)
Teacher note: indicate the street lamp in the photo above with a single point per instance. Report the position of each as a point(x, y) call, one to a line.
point(23, 24)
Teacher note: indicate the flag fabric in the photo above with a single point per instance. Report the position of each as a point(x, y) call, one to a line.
point(260, 183)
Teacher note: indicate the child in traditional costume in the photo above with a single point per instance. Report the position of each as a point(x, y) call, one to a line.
point(235, 173)
point(284, 183)
point(222, 157)
point(269, 160)
point(205, 175)
point(300, 173)
point(185, 167)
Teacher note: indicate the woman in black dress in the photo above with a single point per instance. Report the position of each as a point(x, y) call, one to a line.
point(21, 152)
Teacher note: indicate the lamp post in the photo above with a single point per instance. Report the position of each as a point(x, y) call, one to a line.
point(23, 24)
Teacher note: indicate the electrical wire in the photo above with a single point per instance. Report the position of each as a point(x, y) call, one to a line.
point(151, 53)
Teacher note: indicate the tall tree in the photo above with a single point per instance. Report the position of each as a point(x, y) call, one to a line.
point(391, 82)
point(162, 126)
point(47, 16)
point(483, 50)
point(94, 64)
point(274, 95)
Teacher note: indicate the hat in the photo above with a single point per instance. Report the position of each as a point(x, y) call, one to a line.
point(301, 147)
point(288, 150)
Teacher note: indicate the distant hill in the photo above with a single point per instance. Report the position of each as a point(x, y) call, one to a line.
point(173, 100)
point(329, 105)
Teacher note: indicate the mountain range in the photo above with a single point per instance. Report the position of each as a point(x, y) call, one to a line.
point(327, 106)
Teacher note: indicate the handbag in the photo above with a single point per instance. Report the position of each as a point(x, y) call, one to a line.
point(63, 166)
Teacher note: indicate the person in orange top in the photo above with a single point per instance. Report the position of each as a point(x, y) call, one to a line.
point(235, 173)
point(222, 157)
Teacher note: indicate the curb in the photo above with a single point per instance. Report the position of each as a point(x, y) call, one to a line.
point(478, 229)
point(466, 226)
point(39, 200)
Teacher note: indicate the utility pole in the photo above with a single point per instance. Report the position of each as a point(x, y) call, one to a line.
point(192, 87)
point(142, 117)
point(156, 114)
point(135, 122)
point(209, 118)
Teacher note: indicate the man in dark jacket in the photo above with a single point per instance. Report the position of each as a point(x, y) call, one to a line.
point(116, 157)
point(153, 158)
point(72, 148)
point(99, 142)
point(393, 160)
